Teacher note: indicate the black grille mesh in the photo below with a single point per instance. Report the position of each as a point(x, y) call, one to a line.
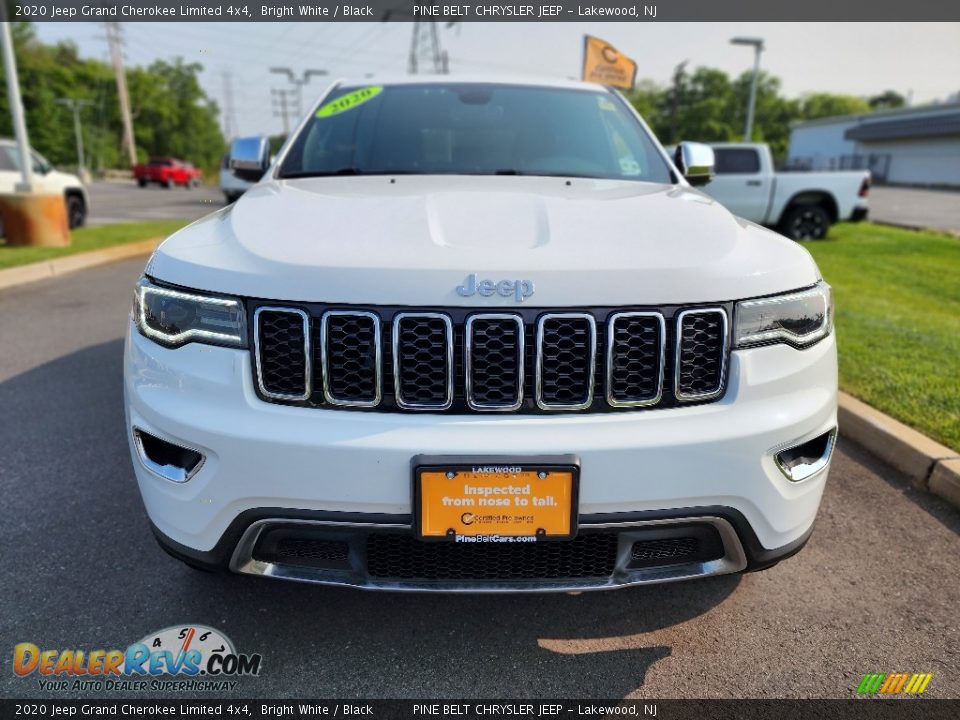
point(322, 550)
point(420, 362)
point(635, 348)
point(404, 557)
point(495, 362)
point(351, 350)
point(701, 355)
point(566, 361)
point(283, 358)
point(667, 550)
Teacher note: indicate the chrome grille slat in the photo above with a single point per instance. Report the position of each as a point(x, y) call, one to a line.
point(422, 346)
point(559, 361)
point(631, 365)
point(364, 364)
point(494, 363)
point(701, 354)
point(276, 356)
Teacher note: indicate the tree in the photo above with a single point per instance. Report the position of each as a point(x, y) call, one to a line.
point(818, 105)
point(887, 100)
point(707, 106)
point(173, 114)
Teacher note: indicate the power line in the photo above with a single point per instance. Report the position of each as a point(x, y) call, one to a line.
point(229, 115)
point(281, 106)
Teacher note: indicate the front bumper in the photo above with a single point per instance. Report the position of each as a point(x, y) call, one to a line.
point(267, 463)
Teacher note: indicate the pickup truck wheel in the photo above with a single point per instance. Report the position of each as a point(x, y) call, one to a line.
point(192, 183)
point(806, 222)
point(142, 182)
point(76, 211)
point(168, 183)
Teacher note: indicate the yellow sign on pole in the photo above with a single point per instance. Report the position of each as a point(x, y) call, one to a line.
point(604, 64)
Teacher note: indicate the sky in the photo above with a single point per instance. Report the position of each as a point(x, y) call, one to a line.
point(919, 60)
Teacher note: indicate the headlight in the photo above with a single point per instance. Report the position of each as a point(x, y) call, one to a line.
point(799, 318)
point(175, 317)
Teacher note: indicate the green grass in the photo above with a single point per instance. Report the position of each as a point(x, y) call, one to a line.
point(86, 239)
point(897, 299)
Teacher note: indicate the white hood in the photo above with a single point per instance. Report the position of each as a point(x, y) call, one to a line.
point(411, 240)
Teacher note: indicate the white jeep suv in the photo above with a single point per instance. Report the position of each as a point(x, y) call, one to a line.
point(479, 335)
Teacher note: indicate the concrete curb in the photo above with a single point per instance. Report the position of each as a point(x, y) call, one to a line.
point(24, 274)
point(929, 465)
point(918, 228)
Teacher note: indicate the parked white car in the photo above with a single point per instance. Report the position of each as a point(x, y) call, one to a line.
point(470, 334)
point(47, 179)
point(801, 205)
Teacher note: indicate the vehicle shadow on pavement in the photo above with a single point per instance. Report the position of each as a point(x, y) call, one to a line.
point(87, 573)
point(937, 508)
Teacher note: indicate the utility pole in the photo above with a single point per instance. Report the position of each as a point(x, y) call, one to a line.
point(280, 106)
point(75, 106)
point(115, 40)
point(298, 82)
point(16, 110)
point(425, 48)
point(757, 45)
point(229, 118)
point(678, 75)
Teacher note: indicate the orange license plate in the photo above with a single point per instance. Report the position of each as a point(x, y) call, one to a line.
point(497, 503)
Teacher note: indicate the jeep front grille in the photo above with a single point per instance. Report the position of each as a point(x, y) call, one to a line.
point(461, 361)
point(701, 353)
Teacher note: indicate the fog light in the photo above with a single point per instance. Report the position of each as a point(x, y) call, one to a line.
point(807, 459)
point(170, 461)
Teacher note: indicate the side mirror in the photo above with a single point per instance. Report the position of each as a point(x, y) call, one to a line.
point(250, 157)
point(695, 161)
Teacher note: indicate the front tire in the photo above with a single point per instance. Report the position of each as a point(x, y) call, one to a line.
point(142, 182)
point(168, 183)
point(806, 222)
point(76, 211)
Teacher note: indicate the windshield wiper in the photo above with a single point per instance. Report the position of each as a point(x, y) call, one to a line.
point(325, 173)
point(345, 171)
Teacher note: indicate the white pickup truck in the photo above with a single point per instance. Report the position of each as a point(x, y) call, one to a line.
point(801, 205)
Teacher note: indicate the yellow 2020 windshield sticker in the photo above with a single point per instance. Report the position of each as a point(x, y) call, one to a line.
point(349, 101)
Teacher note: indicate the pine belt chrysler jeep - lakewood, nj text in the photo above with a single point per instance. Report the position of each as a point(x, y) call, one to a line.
point(479, 335)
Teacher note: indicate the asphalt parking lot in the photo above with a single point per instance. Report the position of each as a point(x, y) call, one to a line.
point(122, 201)
point(916, 207)
point(875, 590)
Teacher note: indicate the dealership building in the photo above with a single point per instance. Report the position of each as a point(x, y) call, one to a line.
point(906, 146)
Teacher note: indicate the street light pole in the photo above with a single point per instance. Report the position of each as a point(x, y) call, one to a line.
point(75, 106)
point(757, 45)
point(298, 82)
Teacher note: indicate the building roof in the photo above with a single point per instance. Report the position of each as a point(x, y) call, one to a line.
point(895, 113)
point(927, 126)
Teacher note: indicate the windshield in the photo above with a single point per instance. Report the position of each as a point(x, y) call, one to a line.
point(474, 129)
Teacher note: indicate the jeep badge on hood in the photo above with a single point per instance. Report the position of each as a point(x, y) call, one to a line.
point(520, 289)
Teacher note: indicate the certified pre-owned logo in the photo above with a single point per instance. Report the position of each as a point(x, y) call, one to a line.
point(519, 289)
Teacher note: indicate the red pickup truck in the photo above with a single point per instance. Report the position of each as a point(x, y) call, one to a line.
point(167, 172)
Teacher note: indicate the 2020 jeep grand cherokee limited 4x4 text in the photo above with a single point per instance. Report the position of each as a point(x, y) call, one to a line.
point(479, 335)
